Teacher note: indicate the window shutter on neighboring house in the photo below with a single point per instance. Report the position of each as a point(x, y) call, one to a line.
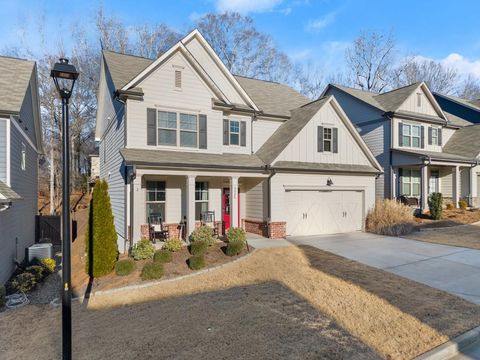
point(226, 124)
point(440, 137)
point(202, 136)
point(320, 138)
point(422, 137)
point(151, 127)
point(400, 134)
point(335, 140)
point(243, 133)
point(430, 130)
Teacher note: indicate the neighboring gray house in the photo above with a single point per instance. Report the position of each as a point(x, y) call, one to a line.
point(180, 135)
point(422, 147)
point(20, 145)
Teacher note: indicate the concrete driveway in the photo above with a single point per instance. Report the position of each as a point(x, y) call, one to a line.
point(449, 268)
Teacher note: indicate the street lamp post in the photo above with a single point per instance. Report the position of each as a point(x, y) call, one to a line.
point(64, 76)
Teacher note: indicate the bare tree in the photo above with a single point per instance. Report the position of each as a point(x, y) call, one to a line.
point(153, 40)
point(309, 80)
point(370, 61)
point(438, 77)
point(469, 89)
point(243, 49)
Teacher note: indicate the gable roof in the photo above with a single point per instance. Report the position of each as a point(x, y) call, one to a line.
point(471, 104)
point(392, 100)
point(465, 142)
point(15, 75)
point(455, 120)
point(271, 97)
point(124, 67)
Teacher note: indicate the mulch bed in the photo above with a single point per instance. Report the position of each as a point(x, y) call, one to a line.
point(449, 218)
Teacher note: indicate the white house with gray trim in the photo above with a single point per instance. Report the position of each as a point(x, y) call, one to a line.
point(180, 135)
point(423, 147)
point(20, 145)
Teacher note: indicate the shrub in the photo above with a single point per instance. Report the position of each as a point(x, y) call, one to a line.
point(124, 267)
point(143, 249)
point(37, 271)
point(101, 237)
point(196, 262)
point(152, 271)
point(389, 217)
point(449, 206)
point(49, 264)
point(236, 234)
point(3, 293)
point(463, 204)
point(234, 247)
point(203, 233)
point(198, 247)
point(435, 203)
point(162, 256)
point(24, 282)
point(173, 244)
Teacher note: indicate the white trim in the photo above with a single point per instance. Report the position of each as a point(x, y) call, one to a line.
point(12, 120)
point(323, 188)
point(8, 153)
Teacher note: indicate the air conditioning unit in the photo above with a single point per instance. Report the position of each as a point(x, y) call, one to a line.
point(39, 251)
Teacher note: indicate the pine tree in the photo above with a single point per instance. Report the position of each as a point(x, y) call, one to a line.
point(101, 237)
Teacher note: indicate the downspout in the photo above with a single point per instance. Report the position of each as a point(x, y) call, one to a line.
point(268, 168)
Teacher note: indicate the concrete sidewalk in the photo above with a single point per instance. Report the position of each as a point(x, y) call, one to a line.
point(449, 268)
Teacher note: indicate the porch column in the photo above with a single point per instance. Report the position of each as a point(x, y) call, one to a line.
point(393, 183)
point(190, 204)
point(424, 189)
point(473, 186)
point(456, 185)
point(234, 201)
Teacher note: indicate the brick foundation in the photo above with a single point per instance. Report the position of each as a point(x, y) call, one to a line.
point(174, 231)
point(255, 227)
point(277, 230)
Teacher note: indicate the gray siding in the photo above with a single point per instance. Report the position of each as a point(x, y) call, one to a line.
point(18, 222)
point(3, 149)
point(377, 138)
point(111, 162)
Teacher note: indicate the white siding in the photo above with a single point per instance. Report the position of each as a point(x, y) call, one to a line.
point(426, 106)
point(262, 130)
point(464, 182)
point(3, 150)
point(256, 195)
point(446, 181)
point(280, 180)
point(304, 146)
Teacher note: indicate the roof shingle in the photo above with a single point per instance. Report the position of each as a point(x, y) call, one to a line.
point(15, 76)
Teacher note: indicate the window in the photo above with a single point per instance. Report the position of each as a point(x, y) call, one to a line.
point(410, 182)
point(155, 198)
point(167, 128)
point(24, 157)
point(178, 79)
point(411, 135)
point(419, 99)
point(327, 139)
point(433, 181)
point(188, 130)
point(434, 136)
point(201, 199)
point(234, 132)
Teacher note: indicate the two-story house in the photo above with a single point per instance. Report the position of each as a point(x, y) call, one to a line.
point(422, 147)
point(181, 135)
point(20, 146)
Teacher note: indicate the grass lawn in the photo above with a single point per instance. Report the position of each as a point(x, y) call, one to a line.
point(295, 302)
point(452, 217)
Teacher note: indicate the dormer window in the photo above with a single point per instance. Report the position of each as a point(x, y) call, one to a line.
point(419, 99)
point(178, 79)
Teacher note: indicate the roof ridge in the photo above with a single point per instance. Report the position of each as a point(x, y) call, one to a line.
point(124, 54)
point(399, 88)
point(252, 78)
point(313, 101)
point(356, 89)
point(16, 58)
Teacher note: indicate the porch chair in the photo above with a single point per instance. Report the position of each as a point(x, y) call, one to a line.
point(208, 219)
point(410, 201)
point(157, 230)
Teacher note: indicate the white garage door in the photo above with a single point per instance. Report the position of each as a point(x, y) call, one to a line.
point(324, 212)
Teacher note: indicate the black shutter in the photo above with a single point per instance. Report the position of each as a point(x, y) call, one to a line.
point(400, 181)
point(335, 140)
point(422, 137)
point(430, 130)
point(243, 133)
point(400, 134)
point(320, 138)
point(439, 137)
point(226, 133)
point(202, 131)
point(151, 127)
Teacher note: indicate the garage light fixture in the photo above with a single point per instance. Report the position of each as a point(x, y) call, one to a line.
point(329, 182)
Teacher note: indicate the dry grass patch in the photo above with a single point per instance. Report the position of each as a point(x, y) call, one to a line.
point(391, 218)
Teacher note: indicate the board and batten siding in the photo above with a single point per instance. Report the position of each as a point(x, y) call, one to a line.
point(280, 180)
point(303, 147)
point(256, 200)
point(426, 107)
point(18, 222)
point(195, 97)
point(262, 130)
point(3, 149)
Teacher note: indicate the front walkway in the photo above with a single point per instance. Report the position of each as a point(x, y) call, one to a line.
point(449, 268)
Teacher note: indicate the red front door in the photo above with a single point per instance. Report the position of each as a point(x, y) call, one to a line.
point(226, 208)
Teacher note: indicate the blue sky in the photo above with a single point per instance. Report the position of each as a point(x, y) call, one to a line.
point(315, 31)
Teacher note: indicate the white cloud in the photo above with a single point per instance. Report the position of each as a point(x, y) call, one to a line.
point(463, 65)
point(195, 16)
point(322, 22)
point(246, 6)
point(301, 55)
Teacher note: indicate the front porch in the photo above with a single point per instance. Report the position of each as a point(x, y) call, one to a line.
point(181, 197)
point(419, 176)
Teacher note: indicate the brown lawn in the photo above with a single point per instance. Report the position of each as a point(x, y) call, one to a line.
point(278, 303)
point(449, 218)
